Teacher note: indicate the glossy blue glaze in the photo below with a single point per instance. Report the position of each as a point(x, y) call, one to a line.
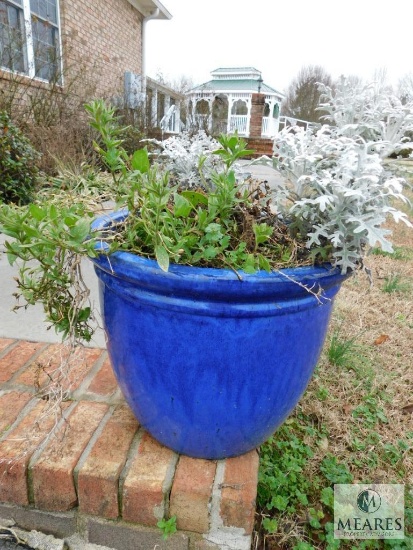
point(210, 364)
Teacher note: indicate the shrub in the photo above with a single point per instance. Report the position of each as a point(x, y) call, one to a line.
point(18, 167)
point(403, 153)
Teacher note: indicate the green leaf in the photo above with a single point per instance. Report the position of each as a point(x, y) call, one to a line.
point(162, 257)
point(270, 525)
point(80, 231)
point(84, 314)
point(262, 232)
point(279, 502)
point(231, 178)
point(302, 498)
point(213, 232)
point(264, 263)
point(195, 197)
point(210, 252)
point(53, 213)
point(140, 161)
point(327, 496)
point(38, 213)
point(8, 232)
point(31, 231)
point(167, 526)
point(182, 207)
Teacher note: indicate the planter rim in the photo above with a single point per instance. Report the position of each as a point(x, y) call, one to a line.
point(121, 262)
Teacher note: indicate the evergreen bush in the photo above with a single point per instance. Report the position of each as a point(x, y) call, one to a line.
point(18, 168)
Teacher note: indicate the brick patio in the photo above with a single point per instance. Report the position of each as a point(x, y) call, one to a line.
point(101, 475)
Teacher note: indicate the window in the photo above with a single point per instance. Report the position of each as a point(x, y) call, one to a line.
point(12, 36)
point(30, 41)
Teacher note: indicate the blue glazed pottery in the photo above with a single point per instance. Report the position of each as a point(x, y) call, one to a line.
point(210, 363)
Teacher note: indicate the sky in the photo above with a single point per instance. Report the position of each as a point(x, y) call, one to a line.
point(345, 37)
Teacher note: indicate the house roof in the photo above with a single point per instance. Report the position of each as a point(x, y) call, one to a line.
point(152, 83)
point(236, 85)
point(147, 7)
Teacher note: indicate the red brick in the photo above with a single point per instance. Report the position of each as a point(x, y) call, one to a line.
point(5, 342)
point(191, 493)
point(52, 474)
point(85, 360)
point(10, 406)
point(104, 383)
point(39, 372)
point(35, 374)
point(143, 490)
point(16, 451)
point(98, 478)
point(239, 491)
point(16, 358)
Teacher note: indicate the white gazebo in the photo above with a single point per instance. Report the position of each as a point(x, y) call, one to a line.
point(224, 104)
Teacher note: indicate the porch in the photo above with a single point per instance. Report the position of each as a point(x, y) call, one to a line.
point(159, 105)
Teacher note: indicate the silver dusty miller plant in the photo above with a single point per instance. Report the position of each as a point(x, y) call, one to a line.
point(190, 160)
point(184, 156)
point(337, 191)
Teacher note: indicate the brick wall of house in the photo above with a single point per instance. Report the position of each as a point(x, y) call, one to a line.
point(103, 39)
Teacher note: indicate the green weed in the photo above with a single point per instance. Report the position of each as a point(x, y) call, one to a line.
point(395, 283)
point(167, 526)
point(342, 351)
point(399, 253)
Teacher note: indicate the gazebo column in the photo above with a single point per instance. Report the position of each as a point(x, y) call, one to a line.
point(247, 130)
point(257, 111)
point(154, 108)
point(230, 104)
point(210, 104)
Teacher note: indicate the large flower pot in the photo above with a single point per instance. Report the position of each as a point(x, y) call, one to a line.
point(212, 363)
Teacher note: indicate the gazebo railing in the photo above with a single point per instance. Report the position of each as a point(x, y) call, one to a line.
point(238, 123)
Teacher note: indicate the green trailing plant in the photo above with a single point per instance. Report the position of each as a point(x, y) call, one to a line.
point(56, 238)
point(221, 226)
point(18, 167)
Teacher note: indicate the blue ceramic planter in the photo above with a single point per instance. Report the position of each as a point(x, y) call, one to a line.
point(211, 365)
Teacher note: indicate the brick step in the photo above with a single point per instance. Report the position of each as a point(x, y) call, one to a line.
point(261, 146)
point(100, 469)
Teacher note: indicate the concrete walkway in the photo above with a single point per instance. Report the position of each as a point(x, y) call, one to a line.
point(29, 324)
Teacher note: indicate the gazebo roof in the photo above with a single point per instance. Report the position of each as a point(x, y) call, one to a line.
point(241, 79)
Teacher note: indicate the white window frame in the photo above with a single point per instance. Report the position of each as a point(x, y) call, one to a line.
point(29, 43)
